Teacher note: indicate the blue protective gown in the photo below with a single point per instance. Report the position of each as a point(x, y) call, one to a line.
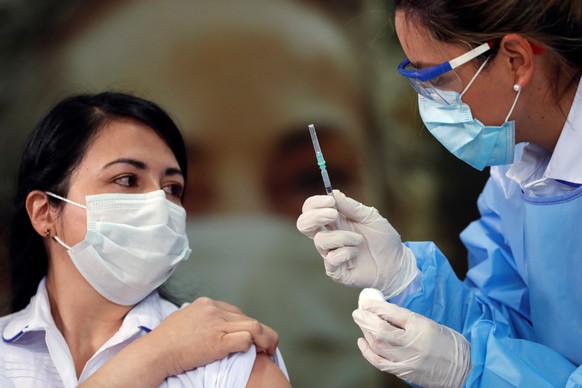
point(521, 317)
point(520, 305)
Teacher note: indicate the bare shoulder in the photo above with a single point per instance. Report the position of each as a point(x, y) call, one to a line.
point(266, 373)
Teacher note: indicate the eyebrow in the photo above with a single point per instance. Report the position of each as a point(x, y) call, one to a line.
point(423, 65)
point(143, 166)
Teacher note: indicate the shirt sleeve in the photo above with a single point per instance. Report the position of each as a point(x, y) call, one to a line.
point(232, 371)
point(5, 382)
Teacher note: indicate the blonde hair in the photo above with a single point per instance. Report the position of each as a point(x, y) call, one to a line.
point(556, 25)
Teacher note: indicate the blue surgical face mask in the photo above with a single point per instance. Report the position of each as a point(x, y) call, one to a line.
point(466, 137)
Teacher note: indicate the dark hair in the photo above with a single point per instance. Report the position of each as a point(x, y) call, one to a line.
point(553, 24)
point(53, 151)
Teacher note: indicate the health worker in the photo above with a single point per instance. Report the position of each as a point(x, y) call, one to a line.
point(498, 85)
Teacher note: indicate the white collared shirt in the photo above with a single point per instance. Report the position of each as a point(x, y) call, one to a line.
point(33, 353)
point(539, 171)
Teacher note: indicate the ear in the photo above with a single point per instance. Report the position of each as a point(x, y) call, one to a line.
point(520, 57)
point(42, 215)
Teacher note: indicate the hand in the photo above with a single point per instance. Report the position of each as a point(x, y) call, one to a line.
point(359, 247)
point(411, 346)
point(196, 335)
point(208, 330)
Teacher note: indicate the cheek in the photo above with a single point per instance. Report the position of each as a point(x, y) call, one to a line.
point(489, 102)
point(72, 225)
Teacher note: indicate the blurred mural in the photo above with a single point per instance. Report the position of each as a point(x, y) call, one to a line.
point(243, 79)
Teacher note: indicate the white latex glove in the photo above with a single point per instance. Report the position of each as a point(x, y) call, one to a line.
point(409, 345)
point(359, 247)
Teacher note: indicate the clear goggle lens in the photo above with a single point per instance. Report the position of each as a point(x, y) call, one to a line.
point(445, 88)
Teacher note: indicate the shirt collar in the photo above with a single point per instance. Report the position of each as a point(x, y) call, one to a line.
point(37, 316)
point(536, 165)
point(566, 163)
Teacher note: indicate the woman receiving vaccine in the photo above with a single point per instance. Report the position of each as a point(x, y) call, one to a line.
point(98, 227)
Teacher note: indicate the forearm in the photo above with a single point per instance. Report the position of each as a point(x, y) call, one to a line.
point(138, 365)
point(446, 299)
point(442, 297)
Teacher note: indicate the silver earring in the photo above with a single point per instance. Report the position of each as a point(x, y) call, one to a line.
point(517, 88)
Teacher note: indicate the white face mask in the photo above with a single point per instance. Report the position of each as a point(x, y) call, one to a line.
point(133, 244)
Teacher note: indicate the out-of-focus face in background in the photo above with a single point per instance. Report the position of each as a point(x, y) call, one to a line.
point(243, 81)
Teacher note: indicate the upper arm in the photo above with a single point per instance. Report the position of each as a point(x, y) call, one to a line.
point(266, 373)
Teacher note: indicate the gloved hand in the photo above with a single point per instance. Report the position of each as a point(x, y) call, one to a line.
point(359, 247)
point(411, 346)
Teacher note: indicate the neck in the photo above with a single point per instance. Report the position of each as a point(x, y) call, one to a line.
point(543, 119)
point(85, 319)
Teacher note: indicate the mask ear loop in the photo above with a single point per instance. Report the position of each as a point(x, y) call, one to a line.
point(65, 199)
point(61, 242)
point(474, 77)
point(57, 239)
point(47, 234)
point(517, 88)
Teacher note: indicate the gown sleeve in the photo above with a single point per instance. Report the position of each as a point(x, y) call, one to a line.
point(491, 306)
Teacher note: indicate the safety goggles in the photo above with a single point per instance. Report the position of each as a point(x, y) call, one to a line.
point(439, 83)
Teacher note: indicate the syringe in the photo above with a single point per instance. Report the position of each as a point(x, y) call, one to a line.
point(320, 160)
point(326, 181)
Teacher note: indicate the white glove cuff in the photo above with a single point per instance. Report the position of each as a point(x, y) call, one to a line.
point(404, 275)
point(461, 361)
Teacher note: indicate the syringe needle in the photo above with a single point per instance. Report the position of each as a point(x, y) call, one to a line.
point(326, 181)
point(320, 160)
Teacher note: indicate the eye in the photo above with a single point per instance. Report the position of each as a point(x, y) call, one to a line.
point(126, 180)
point(174, 189)
point(443, 80)
point(437, 81)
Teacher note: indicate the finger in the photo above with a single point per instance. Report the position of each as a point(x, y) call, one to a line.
point(264, 337)
point(266, 340)
point(238, 341)
point(228, 307)
point(372, 323)
point(392, 313)
point(332, 239)
point(377, 331)
point(318, 202)
point(311, 222)
point(384, 349)
point(335, 272)
point(211, 304)
point(234, 317)
point(377, 361)
point(341, 256)
point(353, 209)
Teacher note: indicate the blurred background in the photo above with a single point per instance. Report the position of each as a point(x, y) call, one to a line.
point(243, 79)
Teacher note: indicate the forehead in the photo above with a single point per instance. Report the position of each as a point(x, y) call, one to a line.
point(420, 46)
point(126, 138)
